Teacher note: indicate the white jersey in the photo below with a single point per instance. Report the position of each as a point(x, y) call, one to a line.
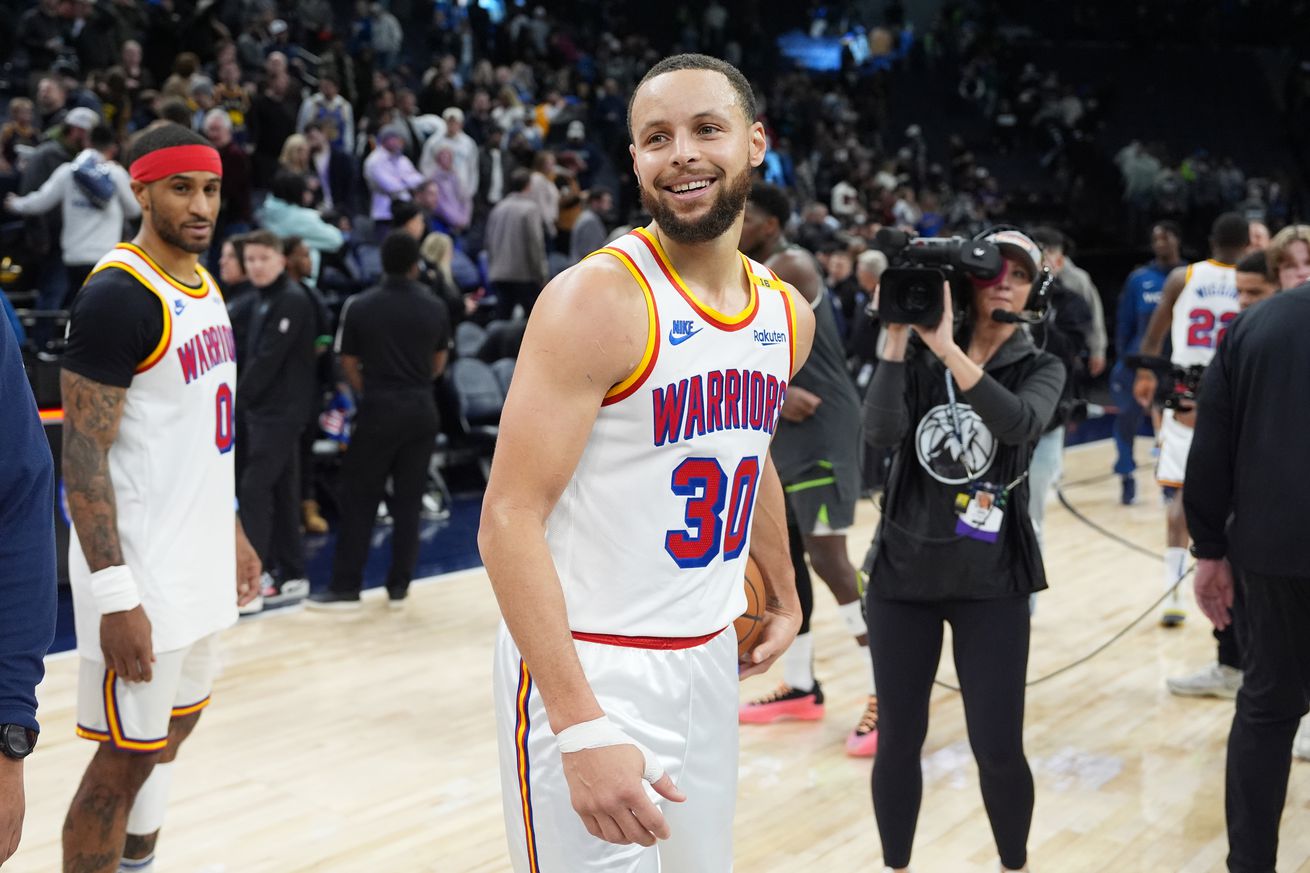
point(1202, 312)
point(172, 469)
point(650, 536)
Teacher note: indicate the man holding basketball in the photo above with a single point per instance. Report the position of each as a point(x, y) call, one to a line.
point(617, 522)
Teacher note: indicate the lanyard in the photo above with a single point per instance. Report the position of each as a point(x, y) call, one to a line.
point(956, 430)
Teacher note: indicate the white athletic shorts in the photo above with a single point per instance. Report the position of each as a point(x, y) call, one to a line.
point(1175, 444)
point(134, 716)
point(681, 703)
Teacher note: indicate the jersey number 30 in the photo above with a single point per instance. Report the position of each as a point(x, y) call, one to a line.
point(225, 432)
point(708, 489)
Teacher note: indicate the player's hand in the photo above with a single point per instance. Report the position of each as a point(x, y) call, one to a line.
point(126, 643)
point(12, 806)
point(1144, 387)
point(1214, 591)
point(1096, 365)
point(942, 337)
point(781, 623)
point(249, 569)
point(799, 404)
point(605, 786)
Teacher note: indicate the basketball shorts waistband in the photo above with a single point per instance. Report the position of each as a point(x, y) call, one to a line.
point(665, 643)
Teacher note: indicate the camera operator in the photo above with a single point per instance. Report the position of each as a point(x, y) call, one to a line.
point(955, 544)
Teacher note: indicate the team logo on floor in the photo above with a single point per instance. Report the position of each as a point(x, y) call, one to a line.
point(950, 460)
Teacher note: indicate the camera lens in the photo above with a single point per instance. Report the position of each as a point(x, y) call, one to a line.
point(916, 297)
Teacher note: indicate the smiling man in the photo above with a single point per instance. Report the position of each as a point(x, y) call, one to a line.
point(148, 392)
point(618, 518)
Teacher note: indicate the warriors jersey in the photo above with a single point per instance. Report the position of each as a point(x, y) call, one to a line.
point(650, 536)
point(171, 466)
point(1202, 312)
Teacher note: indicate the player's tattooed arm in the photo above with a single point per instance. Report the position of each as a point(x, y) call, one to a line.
point(92, 412)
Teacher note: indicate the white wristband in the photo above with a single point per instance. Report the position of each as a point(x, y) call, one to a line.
point(114, 589)
point(601, 732)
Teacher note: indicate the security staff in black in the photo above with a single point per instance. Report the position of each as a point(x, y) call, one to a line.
point(1248, 473)
point(276, 388)
point(392, 342)
point(955, 544)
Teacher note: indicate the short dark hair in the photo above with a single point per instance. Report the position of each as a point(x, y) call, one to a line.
point(1255, 262)
point(1170, 227)
point(174, 109)
point(1047, 238)
point(238, 241)
point(290, 244)
point(771, 200)
point(288, 187)
point(1230, 231)
point(102, 137)
point(261, 237)
point(519, 179)
point(162, 136)
point(399, 253)
point(692, 61)
point(403, 212)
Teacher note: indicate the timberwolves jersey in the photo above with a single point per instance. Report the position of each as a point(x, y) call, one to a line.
point(650, 536)
point(172, 468)
point(1205, 306)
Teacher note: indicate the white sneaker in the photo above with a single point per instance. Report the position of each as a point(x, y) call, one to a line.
point(254, 607)
point(1213, 680)
point(1301, 743)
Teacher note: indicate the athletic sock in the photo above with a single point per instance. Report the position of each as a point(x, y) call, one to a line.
point(798, 663)
point(137, 865)
point(1175, 564)
point(853, 616)
point(873, 682)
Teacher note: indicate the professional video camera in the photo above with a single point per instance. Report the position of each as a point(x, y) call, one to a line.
point(910, 292)
point(1176, 387)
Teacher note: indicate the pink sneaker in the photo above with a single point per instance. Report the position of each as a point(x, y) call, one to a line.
point(863, 741)
point(784, 703)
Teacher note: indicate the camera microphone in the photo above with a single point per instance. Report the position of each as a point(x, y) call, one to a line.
point(1004, 316)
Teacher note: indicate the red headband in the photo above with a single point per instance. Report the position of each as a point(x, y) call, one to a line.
point(162, 163)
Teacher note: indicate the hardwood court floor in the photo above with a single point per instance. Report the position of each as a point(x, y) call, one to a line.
point(366, 744)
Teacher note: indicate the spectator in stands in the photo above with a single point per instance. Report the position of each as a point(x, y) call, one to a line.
point(276, 386)
point(1259, 236)
point(234, 214)
point(1140, 295)
point(390, 176)
point(516, 248)
point(392, 343)
point(294, 159)
point(19, 130)
point(300, 269)
point(495, 164)
point(592, 227)
point(272, 118)
point(453, 203)
point(95, 195)
point(334, 169)
point(435, 270)
point(332, 112)
point(51, 103)
point(41, 34)
point(409, 218)
point(284, 215)
point(543, 190)
point(137, 77)
point(387, 36)
point(231, 96)
point(464, 151)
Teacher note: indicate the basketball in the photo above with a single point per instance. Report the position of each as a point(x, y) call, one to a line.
point(750, 623)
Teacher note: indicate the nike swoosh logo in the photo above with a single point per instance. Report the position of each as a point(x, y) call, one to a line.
point(679, 340)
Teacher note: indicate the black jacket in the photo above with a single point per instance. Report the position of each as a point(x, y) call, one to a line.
point(1248, 471)
point(276, 382)
point(1063, 333)
point(917, 554)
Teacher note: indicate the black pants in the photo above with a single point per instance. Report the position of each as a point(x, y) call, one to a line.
point(1275, 694)
point(991, 658)
point(804, 585)
point(1232, 639)
point(394, 436)
point(270, 496)
point(510, 293)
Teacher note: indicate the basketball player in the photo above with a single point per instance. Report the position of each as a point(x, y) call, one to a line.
point(817, 453)
point(1196, 306)
point(148, 438)
point(618, 516)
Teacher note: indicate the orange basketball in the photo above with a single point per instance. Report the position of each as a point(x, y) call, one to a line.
point(751, 623)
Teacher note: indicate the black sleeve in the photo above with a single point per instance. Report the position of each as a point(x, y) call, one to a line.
point(1020, 416)
point(116, 323)
point(886, 416)
point(348, 328)
point(269, 350)
point(1207, 499)
point(442, 324)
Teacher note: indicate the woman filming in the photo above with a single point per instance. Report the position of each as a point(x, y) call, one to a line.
point(955, 544)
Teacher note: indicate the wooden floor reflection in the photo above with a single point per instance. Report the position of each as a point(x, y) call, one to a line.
point(366, 744)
